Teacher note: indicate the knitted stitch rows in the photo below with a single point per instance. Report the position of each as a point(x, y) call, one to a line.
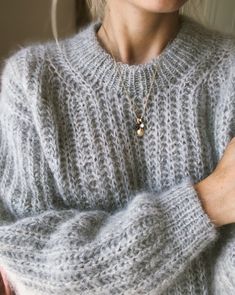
point(87, 207)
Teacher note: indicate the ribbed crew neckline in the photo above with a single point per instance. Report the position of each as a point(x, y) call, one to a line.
point(84, 55)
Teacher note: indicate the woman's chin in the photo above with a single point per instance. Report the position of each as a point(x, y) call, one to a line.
point(159, 6)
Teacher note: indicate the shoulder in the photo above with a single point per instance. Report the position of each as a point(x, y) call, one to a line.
point(218, 51)
point(222, 53)
point(225, 44)
point(212, 49)
point(214, 44)
point(224, 71)
point(27, 67)
point(22, 64)
point(20, 78)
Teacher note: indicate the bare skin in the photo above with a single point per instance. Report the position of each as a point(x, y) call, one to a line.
point(217, 191)
point(139, 29)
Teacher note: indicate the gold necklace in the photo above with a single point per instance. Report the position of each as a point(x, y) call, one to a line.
point(139, 126)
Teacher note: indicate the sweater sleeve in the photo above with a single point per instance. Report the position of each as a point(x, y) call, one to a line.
point(137, 249)
point(223, 258)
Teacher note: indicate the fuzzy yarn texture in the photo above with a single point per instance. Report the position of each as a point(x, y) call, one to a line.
point(89, 208)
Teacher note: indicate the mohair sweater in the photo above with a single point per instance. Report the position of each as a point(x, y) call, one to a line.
point(87, 206)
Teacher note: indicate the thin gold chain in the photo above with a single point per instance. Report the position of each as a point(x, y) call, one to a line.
point(139, 119)
point(123, 81)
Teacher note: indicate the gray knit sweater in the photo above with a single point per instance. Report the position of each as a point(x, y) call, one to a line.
point(87, 207)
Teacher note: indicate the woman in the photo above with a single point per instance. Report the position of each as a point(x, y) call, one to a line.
point(117, 158)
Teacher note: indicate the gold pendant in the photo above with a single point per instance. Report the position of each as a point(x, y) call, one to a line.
point(139, 127)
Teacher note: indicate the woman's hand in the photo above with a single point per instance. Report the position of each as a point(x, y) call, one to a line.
point(217, 191)
point(4, 286)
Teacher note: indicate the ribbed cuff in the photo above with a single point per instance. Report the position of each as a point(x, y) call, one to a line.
point(187, 223)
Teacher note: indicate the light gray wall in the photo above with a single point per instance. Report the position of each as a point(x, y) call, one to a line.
point(217, 14)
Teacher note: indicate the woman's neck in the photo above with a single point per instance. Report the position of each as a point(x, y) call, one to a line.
point(136, 36)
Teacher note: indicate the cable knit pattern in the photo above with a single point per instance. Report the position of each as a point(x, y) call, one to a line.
point(87, 207)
